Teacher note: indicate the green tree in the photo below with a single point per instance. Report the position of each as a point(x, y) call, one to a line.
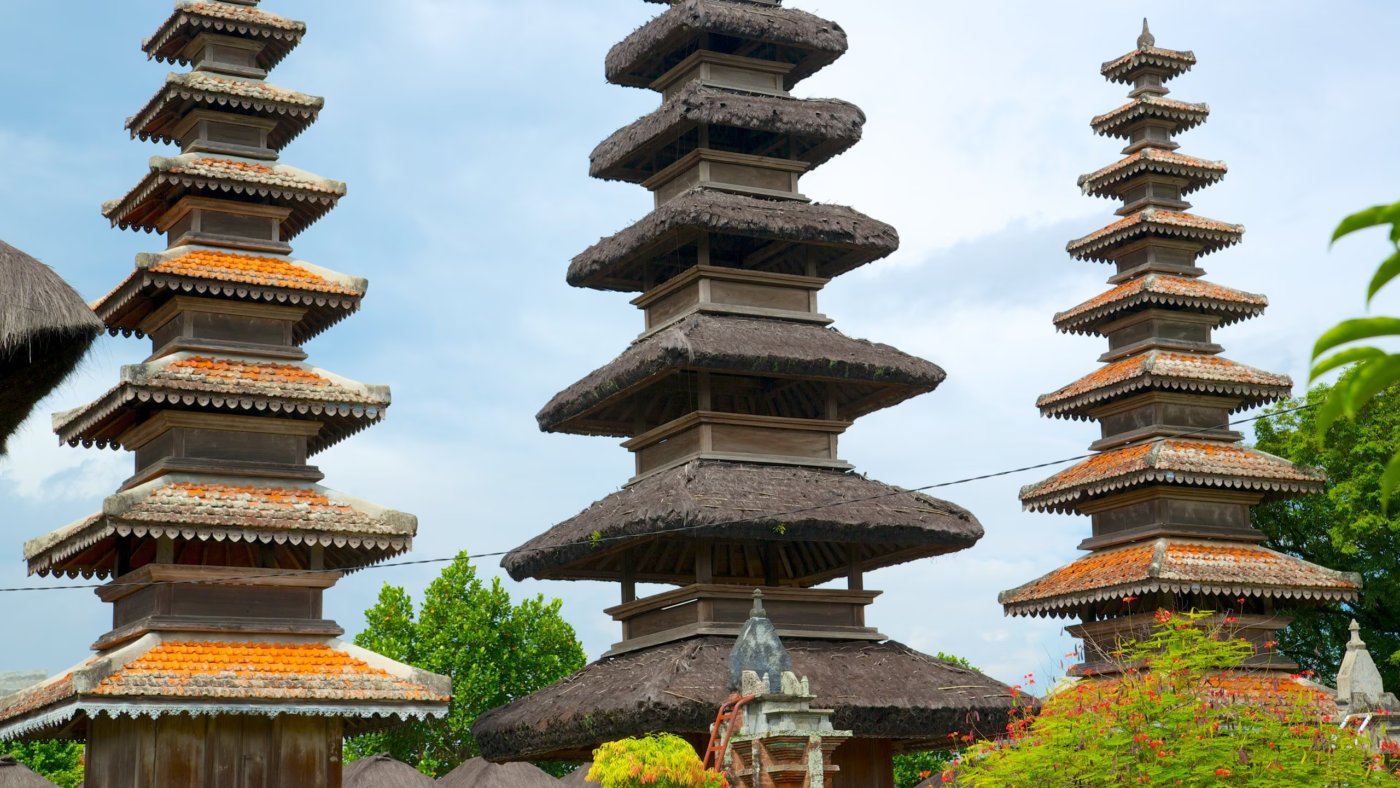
point(662, 760)
point(915, 767)
point(494, 652)
point(1346, 528)
point(1178, 714)
point(59, 762)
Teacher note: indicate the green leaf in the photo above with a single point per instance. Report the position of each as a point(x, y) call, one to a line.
point(1390, 480)
point(1343, 358)
point(1376, 214)
point(1387, 271)
point(1353, 330)
point(1371, 377)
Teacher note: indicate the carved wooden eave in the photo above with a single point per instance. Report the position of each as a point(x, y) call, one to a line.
point(192, 17)
point(1167, 371)
point(294, 112)
point(1157, 291)
point(1211, 235)
point(1170, 61)
point(1183, 116)
point(1196, 174)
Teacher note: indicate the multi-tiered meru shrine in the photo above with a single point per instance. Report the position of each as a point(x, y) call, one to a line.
point(220, 668)
point(1170, 489)
point(733, 400)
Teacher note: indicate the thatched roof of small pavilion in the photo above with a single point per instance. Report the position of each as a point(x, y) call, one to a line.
point(730, 503)
point(481, 773)
point(14, 774)
point(878, 690)
point(839, 238)
point(868, 376)
point(809, 42)
point(45, 329)
point(382, 771)
point(820, 128)
point(578, 777)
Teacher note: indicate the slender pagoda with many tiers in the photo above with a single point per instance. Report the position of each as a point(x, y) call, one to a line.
point(220, 669)
point(732, 401)
point(1170, 489)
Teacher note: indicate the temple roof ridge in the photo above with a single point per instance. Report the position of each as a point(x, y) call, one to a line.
point(1147, 55)
point(1163, 290)
point(1170, 370)
point(1213, 235)
point(192, 17)
point(222, 92)
point(1187, 115)
point(1199, 173)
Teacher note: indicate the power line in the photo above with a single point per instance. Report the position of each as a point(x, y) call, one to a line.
point(680, 529)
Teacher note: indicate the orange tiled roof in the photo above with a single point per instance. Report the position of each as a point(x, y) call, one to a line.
point(238, 14)
point(242, 88)
point(1171, 461)
point(1174, 60)
point(1160, 290)
point(1211, 234)
point(1167, 370)
point(249, 269)
point(1198, 172)
point(1176, 565)
point(260, 506)
point(252, 172)
point(1187, 115)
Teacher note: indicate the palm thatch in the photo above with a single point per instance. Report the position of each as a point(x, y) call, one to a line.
point(808, 42)
point(45, 329)
point(740, 503)
point(820, 128)
point(578, 778)
point(382, 771)
point(14, 774)
point(481, 773)
point(878, 690)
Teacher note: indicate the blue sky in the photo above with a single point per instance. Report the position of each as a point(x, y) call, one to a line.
point(463, 128)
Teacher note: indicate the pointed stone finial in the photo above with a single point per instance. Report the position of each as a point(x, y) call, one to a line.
point(1359, 682)
point(759, 651)
point(1356, 643)
point(758, 611)
point(1146, 40)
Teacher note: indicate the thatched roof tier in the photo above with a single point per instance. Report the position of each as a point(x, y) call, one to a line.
point(382, 771)
point(792, 355)
point(579, 776)
point(14, 774)
point(878, 690)
point(229, 384)
point(231, 515)
point(279, 36)
point(1119, 122)
point(327, 296)
point(1167, 371)
point(1156, 291)
point(1208, 234)
point(786, 35)
point(1196, 173)
point(182, 93)
point(1174, 461)
point(481, 773)
point(809, 514)
point(819, 129)
point(745, 232)
point(230, 177)
point(1179, 566)
point(45, 330)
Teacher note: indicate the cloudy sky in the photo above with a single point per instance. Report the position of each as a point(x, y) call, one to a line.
point(463, 128)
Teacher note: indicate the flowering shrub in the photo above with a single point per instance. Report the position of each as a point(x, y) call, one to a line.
point(658, 761)
point(1178, 713)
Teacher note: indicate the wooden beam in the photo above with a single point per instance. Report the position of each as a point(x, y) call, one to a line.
point(704, 561)
point(629, 577)
point(770, 564)
point(855, 575)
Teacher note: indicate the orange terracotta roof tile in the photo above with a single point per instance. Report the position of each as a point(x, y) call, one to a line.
point(1180, 461)
point(160, 117)
point(1199, 173)
point(1115, 122)
point(254, 172)
point(249, 269)
point(1212, 235)
point(1158, 290)
point(1179, 565)
point(1166, 370)
point(241, 14)
point(190, 18)
point(1175, 62)
point(35, 698)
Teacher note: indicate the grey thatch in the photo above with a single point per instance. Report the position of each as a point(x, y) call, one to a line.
point(45, 329)
point(807, 41)
point(481, 773)
point(870, 376)
point(878, 690)
point(731, 503)
point(847, 239)
point(382, 771)
point(14, 774)
point(578, 777)
point(821, 128)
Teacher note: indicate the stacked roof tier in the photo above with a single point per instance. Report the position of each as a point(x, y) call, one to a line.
point(222, 542)
point(1170, 491)
point(734, 396)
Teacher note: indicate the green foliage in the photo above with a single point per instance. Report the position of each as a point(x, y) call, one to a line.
point(1375, 369)
point(658, 761)
point(914, 768)
point(59, 762)
point(1346, 528)
point(494, 652)
point(1177, 715)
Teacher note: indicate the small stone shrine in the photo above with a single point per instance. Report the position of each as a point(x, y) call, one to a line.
point(1171, 488)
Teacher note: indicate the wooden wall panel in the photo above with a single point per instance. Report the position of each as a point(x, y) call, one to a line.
point(180, 740)
point(864, 763)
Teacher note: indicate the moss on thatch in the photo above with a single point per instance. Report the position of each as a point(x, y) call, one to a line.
point(45, 329)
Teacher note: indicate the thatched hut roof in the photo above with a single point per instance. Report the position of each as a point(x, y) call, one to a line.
point(382, 771)
point(45, 329)
point(808, 42)
point(578, 777)
point(821, 511)
point(14, 774)
point(481, 773)
point(820, 128)
point(744, 228)
point(868, 376)
point(878, 690)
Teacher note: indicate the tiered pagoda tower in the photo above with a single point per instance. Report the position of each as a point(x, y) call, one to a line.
point(732, 401)
point(220, 668)
point(1170, 489)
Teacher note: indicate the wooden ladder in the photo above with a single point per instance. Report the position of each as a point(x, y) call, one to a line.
point(729, 711)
